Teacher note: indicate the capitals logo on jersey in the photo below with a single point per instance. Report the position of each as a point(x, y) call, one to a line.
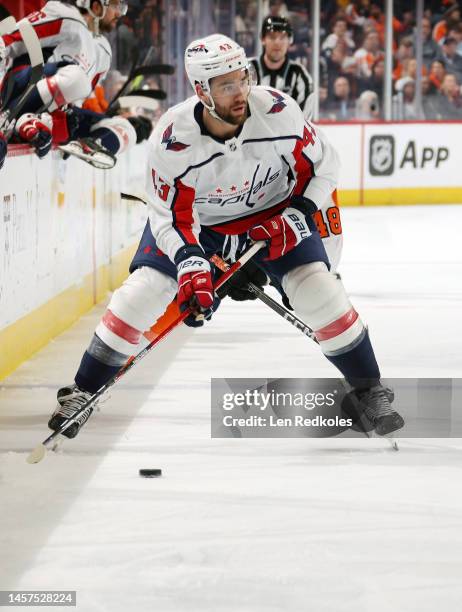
point(171, 142)
point(278, 102)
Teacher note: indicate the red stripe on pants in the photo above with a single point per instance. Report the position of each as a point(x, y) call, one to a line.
point(120, 328)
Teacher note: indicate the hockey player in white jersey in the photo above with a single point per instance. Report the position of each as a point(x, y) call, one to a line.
point(77, 58)
point(231, 164)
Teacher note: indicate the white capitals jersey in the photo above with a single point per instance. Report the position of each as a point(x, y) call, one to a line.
point(196, 179)
point(64, 36)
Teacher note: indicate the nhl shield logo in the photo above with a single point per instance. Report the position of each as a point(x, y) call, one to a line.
point(382, 155)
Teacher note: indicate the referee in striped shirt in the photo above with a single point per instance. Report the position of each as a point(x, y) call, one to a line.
point(274, 68)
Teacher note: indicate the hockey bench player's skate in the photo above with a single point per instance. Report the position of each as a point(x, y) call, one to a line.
point(90, 151)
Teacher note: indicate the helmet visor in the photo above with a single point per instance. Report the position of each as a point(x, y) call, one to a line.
point(229, 85)
point(119, 5)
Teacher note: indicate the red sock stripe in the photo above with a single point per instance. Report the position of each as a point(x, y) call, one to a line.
point(337, 327)
point(120, 328)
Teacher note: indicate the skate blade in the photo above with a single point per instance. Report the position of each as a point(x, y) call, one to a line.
point(392, 441)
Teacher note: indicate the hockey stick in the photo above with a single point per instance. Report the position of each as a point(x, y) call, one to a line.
point(133, 101)
point(146, 98)
point(142, 71)
point(131, 198)
point(32, 44)
point(7, 26)
point(273, 304)
point(39, 451)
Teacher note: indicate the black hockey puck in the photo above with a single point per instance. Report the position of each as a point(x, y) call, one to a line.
point(150, 473)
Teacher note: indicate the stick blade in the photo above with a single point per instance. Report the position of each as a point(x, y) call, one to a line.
point(141, 101)
point(37, 454)
point(7, 25)
point(32, 42)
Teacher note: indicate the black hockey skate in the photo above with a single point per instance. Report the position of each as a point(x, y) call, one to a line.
point(70, 400)
point(371, 410)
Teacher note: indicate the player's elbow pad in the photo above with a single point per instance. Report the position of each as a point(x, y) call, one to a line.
point(68, 85)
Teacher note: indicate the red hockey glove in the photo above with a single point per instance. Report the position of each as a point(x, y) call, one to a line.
point(36, 131)
point(195, 285)
point(283, 232)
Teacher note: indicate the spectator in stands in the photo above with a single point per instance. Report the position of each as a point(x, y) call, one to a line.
point(341, 106)
point(244, 25)
point(431, 49)
point(275, 8)
point(407, 20)
point(375, 81)
point(357, 14)
point(334, 66)
point(339, 37)
point(429, 99)
point(452, 61)
point(404, 53)
point(437, 73)
point(411, 69)
point(323, 99)
point(450, 99)
point(377, 17)
point(450, 18)
point(368, 54)
point(404, 106)
point(456, 32)
point(299, 49)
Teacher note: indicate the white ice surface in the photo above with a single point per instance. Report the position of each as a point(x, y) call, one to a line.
point(248, 525)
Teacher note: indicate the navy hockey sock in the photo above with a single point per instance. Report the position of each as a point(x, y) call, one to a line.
point(359, 365)
point(93, 373)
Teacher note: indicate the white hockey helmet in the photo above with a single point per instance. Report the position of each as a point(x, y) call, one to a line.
point(213, 56)
point(86, 4)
